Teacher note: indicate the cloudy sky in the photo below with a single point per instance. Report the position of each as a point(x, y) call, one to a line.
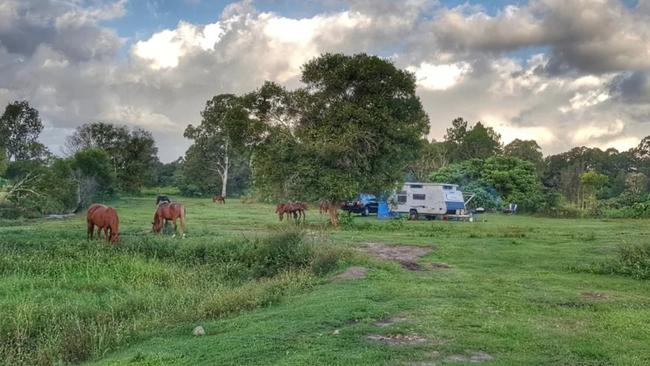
point(565, 73)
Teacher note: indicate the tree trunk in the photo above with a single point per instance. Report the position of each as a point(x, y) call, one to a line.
point(334, 216)
point(224, 176)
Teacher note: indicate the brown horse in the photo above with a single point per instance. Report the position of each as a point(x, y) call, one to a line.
point(297, 210)
point(169, 211)
point(105, 218)
point(323, 207)
point(219, 199)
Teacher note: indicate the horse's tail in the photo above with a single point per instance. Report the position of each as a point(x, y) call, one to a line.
point(183, 214)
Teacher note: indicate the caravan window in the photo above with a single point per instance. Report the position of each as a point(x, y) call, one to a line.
point(401, 198)
point(416, 185)
point(448, 187)
point(420, 197)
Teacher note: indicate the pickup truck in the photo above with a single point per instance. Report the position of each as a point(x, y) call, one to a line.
point(364, 204)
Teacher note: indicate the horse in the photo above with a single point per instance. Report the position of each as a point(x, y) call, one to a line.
point(105, 218)
point(219, 199)
point(297, 210)
point(169, 211)
point(323, 207)
point(162, 199)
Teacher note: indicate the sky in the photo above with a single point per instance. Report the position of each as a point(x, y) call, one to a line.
point(565, 73)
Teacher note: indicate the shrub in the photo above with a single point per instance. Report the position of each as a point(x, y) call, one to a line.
point(630, 260)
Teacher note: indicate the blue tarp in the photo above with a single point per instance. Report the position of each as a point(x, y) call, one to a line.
point(383, 211)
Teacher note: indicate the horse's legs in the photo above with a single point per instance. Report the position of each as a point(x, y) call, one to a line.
point(182, 219)
point(106, 234)
point(174, 221)
point(91, 229)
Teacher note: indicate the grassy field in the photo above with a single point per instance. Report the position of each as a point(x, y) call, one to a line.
point(514, 294)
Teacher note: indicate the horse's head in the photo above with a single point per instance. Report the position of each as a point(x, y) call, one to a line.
point(115, 237)
point(155, 224)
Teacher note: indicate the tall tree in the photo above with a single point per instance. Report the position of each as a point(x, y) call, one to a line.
point(472, 142)
point(494, 180)
point(133, 154)
point(434, 155)
point(20, 126)
point(220, 136)
point(590, 182)
point(355, 127)
point(636, 183)
point(527, 150)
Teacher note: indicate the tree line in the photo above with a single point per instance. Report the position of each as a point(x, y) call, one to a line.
point(356, 125)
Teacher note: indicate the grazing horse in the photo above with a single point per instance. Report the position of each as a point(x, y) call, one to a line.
point(105, 218)
point(323, 207)
point(166, 212)
point(219, 199)
point(162, 199)
point(297, 210)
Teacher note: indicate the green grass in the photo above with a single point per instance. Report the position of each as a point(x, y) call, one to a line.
point(512, 291)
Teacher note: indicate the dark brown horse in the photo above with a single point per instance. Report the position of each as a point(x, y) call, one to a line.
point(219, 199)
point(105, 218)
point(166, 212)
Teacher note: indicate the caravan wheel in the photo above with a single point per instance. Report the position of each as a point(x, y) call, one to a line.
point(413, 215)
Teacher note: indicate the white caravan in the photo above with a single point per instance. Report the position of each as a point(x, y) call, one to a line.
point(429, 200)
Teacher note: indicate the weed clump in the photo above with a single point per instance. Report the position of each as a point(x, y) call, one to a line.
point(630, 260)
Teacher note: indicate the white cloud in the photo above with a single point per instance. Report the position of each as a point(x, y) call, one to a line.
point(164, 49)
point(439, 77)
point(587, 134)
point(590, 68)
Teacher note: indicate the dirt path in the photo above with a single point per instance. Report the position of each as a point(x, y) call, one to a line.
point(406, 255)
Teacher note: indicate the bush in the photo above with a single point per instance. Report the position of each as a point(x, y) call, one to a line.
point(631, 260)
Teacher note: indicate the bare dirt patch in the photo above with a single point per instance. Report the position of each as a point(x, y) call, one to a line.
point(388, 322)
point(399, 339)
point(436, 266)
point(476, 357)
point(352, 273)
point(594, 296)
point(406, 255)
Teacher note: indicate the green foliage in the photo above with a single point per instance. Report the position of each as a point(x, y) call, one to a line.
point(495, 180)
point(471, 142)
point(355, 127)
point(630, 260)
point(34, 189)
point(564, 170)
point(99, 297)
point(527, 150)
point(132, 153)
point(20, 126)
point(219, 156)
point(433, 156)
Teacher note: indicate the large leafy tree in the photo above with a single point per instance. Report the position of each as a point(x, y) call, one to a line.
point(495, 180)
point(133, 154)
point(472, 142)
point(20, 126)
point(91, 172)
point(219, 141)
point(434, 155)
point(563, 171)
point(355, 127)
point(527, 150)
